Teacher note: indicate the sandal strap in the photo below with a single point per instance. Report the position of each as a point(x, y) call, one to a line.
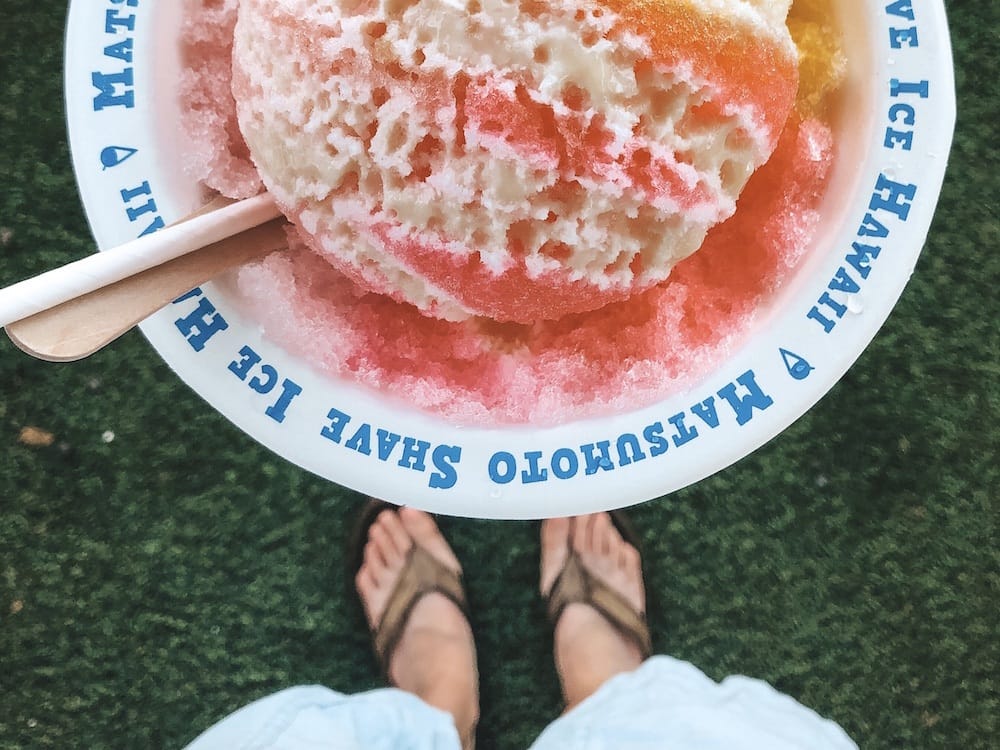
point(422, 574)
point(576, 584)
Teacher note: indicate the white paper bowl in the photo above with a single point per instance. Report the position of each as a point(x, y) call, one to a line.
point(122, 67)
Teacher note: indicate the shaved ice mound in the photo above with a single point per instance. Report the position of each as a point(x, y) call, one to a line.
point(519, 161)
point(605, 361)
point(625, 355)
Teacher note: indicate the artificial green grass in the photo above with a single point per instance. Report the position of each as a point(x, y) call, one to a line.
point(153, 582)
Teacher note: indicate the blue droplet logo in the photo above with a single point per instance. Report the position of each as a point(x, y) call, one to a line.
point(112, 156)
point(797, 366)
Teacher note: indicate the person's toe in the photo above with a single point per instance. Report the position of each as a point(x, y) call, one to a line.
point(384, 550)
point(365, 582)
point(555, 547)
point(373, 578)
point(373, 561)
point(606, 539)
point(629, 559)
point(425, 533)
point(583, 534)
point(395, 534)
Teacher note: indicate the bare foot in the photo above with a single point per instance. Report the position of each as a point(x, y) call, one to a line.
point(436, 655)
point(589, 650)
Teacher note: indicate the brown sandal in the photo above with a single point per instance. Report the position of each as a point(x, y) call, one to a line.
point(576, 584)
point(422, 574)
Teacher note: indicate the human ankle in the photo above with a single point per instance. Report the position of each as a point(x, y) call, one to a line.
point(436, 661)
point(588, 652)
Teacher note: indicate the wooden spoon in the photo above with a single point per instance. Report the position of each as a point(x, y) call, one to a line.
point(72, 311)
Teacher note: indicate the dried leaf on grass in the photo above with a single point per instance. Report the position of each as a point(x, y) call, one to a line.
point(36, 437)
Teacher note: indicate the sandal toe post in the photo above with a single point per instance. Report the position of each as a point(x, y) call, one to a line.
point(422, 574)
point(576, 584)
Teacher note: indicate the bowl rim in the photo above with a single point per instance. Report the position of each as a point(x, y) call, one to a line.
point(495, 472)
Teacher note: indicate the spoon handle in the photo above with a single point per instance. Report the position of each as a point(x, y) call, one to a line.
point(55, 287)
point(84, 322)
point(83, 325)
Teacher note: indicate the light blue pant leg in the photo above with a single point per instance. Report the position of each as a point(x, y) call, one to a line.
point(668, 704)
point(314, 717)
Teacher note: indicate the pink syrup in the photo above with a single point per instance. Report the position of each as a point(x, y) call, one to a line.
point(625, 355)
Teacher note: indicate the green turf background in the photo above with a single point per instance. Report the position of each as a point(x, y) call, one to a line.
point(151, 584)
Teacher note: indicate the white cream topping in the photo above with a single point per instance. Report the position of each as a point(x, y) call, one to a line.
point(344, 136)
